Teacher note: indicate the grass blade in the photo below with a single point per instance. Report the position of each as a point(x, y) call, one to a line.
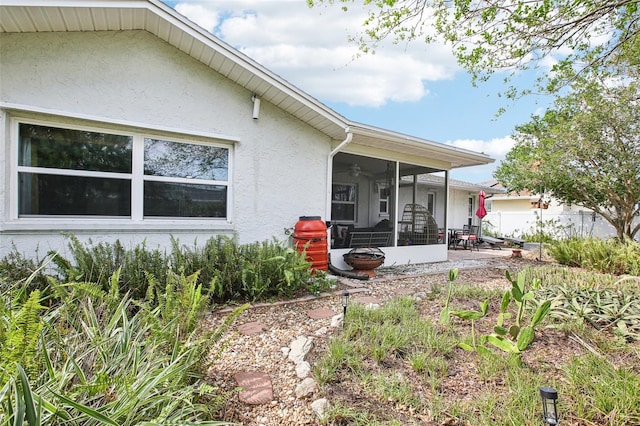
point(94, 414)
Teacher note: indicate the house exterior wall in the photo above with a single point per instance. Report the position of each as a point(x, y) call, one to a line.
point(459, 208)
point(132, 80)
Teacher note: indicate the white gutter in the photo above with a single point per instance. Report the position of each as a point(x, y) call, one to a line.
point(346, 141)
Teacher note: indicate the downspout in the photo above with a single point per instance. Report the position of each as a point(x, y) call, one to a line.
point(447, 202)
point(332, 154)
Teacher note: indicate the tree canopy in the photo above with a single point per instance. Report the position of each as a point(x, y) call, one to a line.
point(585, 151)
point(512, 35)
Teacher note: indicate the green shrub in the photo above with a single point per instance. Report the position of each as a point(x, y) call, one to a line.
point(226, 269)
point(97, 262)
point(21, 271)
point(607, 256)
point(250, 271)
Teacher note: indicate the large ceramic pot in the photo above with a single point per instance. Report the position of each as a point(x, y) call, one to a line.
point(364, 259)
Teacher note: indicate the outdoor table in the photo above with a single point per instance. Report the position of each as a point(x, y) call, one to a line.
point(453, 240)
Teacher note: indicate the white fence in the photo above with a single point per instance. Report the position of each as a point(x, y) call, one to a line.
point(567, 224)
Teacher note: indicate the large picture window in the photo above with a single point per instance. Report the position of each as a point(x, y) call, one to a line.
point(71, 172)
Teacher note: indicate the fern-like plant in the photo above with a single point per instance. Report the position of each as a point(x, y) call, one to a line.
point(19, 340)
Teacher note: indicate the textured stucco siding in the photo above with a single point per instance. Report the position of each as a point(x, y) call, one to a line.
point(278, 162)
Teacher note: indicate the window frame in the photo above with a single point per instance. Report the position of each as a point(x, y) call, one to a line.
point(354, 202)
point(382, 191)
point(137, 176)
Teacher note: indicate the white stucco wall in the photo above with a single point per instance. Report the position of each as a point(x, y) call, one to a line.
point(133, 80)
point(458, 208)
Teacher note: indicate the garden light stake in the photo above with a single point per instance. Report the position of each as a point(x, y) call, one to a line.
point(345, 302)
point(549, 405)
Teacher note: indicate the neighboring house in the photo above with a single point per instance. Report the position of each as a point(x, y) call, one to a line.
point(514, 214)
point(124, 120)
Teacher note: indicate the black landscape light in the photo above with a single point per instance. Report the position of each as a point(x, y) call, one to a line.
point(344, 299)
point(549, 405)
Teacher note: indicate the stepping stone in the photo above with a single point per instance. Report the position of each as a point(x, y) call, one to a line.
point(256, 387)
point(320, 313)
point(403, 291)
point(251, 328)
point(366, 300)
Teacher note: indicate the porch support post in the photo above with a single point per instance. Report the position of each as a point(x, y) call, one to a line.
point(396, 201)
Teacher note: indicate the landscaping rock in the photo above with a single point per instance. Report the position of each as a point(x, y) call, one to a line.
point(299, 348)
point(306, 388)
point(303, 369)
point(320, 407)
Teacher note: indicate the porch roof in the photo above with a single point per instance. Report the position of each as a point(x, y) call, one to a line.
point(24, 16)
point(387, 140)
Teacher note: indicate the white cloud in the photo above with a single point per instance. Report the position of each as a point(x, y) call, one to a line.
point(496, 148)
point(310, 49)
point(201, 15)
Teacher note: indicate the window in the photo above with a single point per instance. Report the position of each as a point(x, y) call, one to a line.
point(72, 172)
point(431, 203)
point(343, 202)
point(383, 206)
point(181, 180)
point(470, 211)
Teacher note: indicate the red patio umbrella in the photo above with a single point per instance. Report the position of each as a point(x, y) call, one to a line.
point(481, 212)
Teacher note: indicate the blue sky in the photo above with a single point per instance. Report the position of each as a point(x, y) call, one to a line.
point(416, 89)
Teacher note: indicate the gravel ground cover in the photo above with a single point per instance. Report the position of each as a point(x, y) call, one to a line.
point(273, 327)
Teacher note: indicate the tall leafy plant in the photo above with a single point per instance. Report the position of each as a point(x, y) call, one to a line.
point(445, 315)
point(477, 344)
point(516, 338)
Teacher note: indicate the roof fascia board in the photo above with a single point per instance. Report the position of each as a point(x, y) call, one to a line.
point(388, 135)
point(354, 148)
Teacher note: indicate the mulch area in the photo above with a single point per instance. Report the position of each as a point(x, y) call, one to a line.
point(255, 352)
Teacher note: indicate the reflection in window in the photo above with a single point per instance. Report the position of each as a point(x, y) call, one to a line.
point(52, 147)
point(173, 159)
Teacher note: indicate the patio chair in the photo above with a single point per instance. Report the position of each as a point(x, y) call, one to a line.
point(469, 237)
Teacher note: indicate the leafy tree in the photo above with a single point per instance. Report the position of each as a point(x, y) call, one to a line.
point(585, 151)
point(513, 35)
